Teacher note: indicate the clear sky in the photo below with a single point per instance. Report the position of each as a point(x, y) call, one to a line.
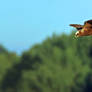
point(24, 23)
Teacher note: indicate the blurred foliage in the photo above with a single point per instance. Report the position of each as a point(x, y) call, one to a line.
point(61, 63)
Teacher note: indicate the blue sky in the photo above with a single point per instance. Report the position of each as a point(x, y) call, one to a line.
point(24, 23)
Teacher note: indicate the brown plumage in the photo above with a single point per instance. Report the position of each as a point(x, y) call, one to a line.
point(83, 30)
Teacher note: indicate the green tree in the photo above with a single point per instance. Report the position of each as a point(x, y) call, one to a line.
point(61, 63)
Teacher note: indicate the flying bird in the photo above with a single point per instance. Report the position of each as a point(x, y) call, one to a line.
point(83, 30)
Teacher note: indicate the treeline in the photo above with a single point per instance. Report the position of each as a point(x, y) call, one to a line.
point(61, 63)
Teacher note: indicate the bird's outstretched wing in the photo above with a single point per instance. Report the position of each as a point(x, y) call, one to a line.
point(88, 22)
point(87, 28)
point(77, 26)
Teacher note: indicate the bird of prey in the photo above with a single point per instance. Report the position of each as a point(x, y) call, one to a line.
point(83, 30)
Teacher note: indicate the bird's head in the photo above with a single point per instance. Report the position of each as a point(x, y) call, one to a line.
point(77, 34)
point(80, 33)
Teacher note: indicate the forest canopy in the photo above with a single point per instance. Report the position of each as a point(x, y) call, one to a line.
point(61, 63)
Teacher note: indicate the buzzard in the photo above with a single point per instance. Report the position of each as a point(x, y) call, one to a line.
point(83, 30)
